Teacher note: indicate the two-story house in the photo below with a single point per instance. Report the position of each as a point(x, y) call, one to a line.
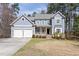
point(40, 24)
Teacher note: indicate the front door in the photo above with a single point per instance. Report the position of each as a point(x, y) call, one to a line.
point(47, 30)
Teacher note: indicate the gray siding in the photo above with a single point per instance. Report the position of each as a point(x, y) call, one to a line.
point(21, 22)
point(21, 25)
point(61, 23)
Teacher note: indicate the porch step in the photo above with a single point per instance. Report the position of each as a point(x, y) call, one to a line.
point(48, 36)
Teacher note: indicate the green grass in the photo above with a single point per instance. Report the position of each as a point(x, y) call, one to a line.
point(30, 50)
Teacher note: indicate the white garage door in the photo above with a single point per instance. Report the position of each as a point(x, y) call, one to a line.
point(23, 33)
point(27, 33)
point(18, 33)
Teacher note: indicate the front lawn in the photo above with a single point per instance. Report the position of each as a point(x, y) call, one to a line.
point(48, 47)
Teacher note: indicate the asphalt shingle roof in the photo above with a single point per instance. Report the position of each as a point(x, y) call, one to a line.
point(41, 16)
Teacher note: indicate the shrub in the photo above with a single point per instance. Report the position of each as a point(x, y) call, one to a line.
point(36, 36)
point(57, 35)
point(44, 36)
point(39, 36)
point(33, 36)
point(52, 36)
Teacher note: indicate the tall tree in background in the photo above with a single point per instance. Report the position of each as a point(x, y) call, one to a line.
point(34, 13)
point(67, 10)
point(54, 7)
point(8, 15)
point(15, 8)
point(70, 18)
point(76, 26)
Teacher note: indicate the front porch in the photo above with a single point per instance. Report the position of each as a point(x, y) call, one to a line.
point(43, 31)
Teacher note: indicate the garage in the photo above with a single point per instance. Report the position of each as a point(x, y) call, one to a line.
point(22, 27)
point(23, 33)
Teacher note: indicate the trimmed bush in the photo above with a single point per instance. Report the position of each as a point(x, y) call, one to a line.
point(36, 36)
point(40, 36)
point(58, 35)
point(33, 36)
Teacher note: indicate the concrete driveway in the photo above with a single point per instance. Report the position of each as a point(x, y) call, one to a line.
point(9, 46)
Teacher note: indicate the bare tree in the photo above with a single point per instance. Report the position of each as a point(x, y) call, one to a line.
point(7, 16)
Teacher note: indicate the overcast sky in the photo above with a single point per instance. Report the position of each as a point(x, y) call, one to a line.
point(29, 8)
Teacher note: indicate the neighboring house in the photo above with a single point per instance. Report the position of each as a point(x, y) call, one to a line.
point(40, 24)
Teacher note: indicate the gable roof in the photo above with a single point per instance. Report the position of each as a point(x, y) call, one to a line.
point(21, 17)
point(45, 16)
point(38, 16)
point(58, 13)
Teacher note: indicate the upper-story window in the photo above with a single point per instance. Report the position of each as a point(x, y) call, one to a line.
point(42, 22)
point(37, 29)
point(37, 22)
point(58, 21)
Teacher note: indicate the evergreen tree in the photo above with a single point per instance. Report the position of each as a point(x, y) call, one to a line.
point(67, 9)
point(76, 26)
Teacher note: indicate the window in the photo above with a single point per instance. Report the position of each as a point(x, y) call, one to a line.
point(48, 22)
point(58, 21)
point(58, 30)
point(37, 22)
point(37, 29)
point(42, 22)
point(43, 29)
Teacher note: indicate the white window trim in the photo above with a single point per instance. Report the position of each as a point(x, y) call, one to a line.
point(59, 28)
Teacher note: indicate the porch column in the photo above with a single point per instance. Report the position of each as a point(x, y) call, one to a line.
point(40, 30)
point(33, 30)
point(46, 30)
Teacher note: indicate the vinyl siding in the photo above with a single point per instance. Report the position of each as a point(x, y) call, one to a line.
point(24, 22)
point(61, 23)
